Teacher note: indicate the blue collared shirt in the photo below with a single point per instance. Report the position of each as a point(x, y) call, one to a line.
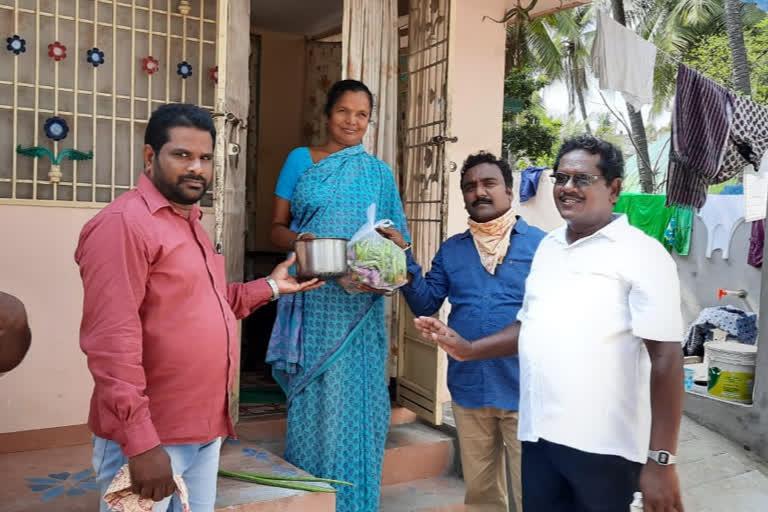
point(481, 304)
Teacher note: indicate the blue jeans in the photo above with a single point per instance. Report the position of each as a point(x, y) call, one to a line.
point(196, 463)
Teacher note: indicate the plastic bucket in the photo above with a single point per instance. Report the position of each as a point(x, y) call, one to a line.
point(689, 374)
point(731, 371)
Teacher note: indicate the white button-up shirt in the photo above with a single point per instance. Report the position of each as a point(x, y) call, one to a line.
point(584, 369)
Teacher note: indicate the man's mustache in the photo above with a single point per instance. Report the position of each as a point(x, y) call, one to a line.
point(194, 177)
point(480, 201)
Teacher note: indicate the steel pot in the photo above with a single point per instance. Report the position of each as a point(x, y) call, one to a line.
point(324, 258)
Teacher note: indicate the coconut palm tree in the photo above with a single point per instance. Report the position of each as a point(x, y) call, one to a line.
point(558, 45)
point(735, 29)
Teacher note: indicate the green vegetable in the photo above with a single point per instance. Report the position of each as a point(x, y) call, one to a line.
point(284, 481)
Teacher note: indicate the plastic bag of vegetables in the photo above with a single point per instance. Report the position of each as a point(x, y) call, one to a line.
point(374, 260)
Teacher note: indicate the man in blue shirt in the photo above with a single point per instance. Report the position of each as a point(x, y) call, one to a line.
point(482, 273)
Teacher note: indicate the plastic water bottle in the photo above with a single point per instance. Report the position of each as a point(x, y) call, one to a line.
point(637, 503)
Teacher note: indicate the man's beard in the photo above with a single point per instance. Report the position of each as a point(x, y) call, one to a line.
point(175, 192)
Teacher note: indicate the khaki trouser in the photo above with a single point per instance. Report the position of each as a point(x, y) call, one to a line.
point(483, 433)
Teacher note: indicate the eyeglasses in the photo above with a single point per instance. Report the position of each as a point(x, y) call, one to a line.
point(580, 180)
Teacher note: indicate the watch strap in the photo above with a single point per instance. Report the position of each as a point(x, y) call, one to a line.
point(662, 457)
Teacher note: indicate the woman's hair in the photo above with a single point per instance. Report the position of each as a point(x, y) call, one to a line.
point(338, 89)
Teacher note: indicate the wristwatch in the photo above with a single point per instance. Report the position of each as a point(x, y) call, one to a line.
point(662, 457)
point(273, 285)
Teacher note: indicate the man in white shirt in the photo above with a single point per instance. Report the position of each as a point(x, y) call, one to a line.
point(599, 342)
point(15, 335)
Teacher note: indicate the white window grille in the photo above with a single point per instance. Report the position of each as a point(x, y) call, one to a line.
point(105, 107)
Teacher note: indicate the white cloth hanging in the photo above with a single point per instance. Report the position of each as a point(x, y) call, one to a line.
point(756, 191)
point(623, 61)
point(721, 215)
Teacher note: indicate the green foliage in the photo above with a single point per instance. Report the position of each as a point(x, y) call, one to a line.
point(712, 57)
point(529, 137)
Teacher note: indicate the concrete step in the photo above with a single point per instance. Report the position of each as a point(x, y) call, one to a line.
point(273, 428)
point(414, 451)
point(438, 494)
point(239, 496)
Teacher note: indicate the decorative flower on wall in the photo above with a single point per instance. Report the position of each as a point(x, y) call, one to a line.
point(42, 152)
point(95, 57)
point(184, 69)
point(16, 44)
point(213, 74)
point(150, 65)
point(56, 128)
point(57, 51)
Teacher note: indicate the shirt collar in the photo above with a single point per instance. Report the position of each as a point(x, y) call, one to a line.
point(156, 200)
point(520, 227)
point(612, 231)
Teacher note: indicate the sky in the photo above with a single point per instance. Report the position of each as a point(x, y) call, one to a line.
point(555, 100)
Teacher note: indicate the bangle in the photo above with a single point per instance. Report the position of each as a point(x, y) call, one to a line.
point(273, 285)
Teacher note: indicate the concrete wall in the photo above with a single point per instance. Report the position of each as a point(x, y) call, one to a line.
point(475, 91)
point(700, 277)
point(280, 124)
point(52, 386)
point(540, 210)
point(744, 424)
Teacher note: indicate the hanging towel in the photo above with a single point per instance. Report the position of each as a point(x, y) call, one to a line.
point(756, 244)
point(529, 182)
point(701, 121)
point(623, 61)
point(669, 225)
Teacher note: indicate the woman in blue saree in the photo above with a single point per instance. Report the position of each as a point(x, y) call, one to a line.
point(329, 347)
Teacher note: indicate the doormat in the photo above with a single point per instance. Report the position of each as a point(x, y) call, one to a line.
point(262, 410)
point(262, 395)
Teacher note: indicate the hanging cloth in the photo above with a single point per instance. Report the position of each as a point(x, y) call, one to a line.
point(701, 121)
point(757, 244)
point(721, 215)
point(623, 61)
point(529, 182)
point(748, 139)
point(756, 192)
point(369, 53)
point(669, 225)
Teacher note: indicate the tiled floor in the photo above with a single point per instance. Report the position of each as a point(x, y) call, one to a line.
point(61, 480)
point(715, 474)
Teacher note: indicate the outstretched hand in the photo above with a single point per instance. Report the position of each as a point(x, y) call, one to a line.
point(287, 284)
point(393, 234)
point(449, 340)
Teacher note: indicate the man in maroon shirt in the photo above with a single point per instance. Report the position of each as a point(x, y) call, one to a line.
point(159, 321)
